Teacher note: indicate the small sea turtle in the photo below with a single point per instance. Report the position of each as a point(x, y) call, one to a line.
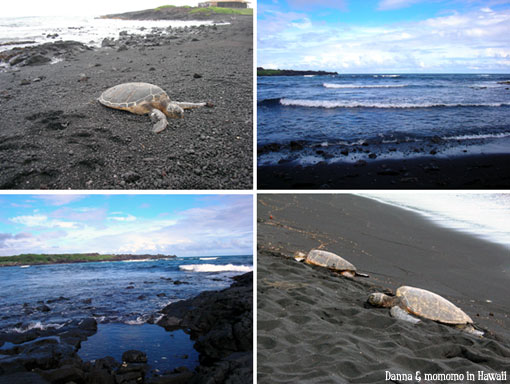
point(329, 260)
point(143, 99)
point(420, 302)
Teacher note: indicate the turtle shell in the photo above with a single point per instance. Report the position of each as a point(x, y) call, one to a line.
point(135, 97)
point(429, 305)
point(328, 260)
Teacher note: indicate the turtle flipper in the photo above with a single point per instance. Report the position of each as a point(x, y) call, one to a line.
point(468, 328)
point(402, 314)
point(186, 105)
point(159, 119)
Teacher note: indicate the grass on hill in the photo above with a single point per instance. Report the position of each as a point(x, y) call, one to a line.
point(172, 6)
point(227, 11)
point(31, 258)
point(268, 72)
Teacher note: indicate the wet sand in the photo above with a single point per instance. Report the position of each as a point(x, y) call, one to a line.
point(485, 171)
point(55, 135)
point(315, 326)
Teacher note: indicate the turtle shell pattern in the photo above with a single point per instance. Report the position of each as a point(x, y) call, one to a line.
point(431, 306)
point(328, 260)
point(138, 98)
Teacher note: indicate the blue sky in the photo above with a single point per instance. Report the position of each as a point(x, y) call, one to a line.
point(186, 225)
point(379, 36)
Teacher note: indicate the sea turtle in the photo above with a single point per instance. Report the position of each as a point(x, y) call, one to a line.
point(420, 302)
point(329, 260)
point(143, 99)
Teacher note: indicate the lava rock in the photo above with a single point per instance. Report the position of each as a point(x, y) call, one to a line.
point(134, 356)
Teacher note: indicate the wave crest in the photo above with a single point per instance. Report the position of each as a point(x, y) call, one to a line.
point(353, 104)
point(216, 268)
point(341, 86)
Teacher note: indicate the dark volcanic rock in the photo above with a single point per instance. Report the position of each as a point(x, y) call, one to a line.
point(296, 146)
point(133, 356)
point(43, 308)
point(22, 378)
point(64, 374)
point(222, 325)
point(41, 54)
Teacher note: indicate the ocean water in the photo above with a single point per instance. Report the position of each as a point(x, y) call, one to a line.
point(165, 350)
point(85, 29)
point(484, 215)
point(128, 293)
point(343, 118)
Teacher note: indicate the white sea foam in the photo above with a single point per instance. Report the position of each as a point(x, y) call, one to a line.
point(24, 266)
point(484, 215)
point(85, 29)
point(480, 136)
point(136, 260)
point(216, 268)
point(308, 75)
point(208, 258)
point(36, 325)
point(390, 75)
point(139, 321)
point(355, 104)
point(341, 86)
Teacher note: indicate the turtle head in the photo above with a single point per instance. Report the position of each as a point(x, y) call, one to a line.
point(173, 110)
point(379, 299)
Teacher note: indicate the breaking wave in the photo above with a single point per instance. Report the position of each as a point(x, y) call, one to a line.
point(36, 325)
point(354, 104)
point(480, 136)
point(216, 268)
point(333, 85)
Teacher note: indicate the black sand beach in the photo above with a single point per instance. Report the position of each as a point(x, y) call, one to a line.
point(315, 326)
point(55, 135)
point(484, 171)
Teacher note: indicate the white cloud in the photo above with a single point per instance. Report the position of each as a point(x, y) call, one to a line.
point(441, 44)
point(42, 221)
point(222, 227)
point(122, 218)
point(307, 4)
point(31, 220)
point(59, 199)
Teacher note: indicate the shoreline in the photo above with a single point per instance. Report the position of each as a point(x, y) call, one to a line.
point(459, 172)
point(305, 310)
point(94, 257)
point(49, 355)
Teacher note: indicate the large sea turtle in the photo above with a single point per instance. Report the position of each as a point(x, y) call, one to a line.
point(143, 99)
point(420, 302)
point(329, 260)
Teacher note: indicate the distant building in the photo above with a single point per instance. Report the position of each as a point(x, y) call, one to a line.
point(225, 4)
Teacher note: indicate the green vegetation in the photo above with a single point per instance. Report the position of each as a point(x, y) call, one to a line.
point(268, 72)
point(172, 6)
point(228, 11)
point(32, 258)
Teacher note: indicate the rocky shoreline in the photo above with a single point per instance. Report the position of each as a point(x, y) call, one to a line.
point(85, 258)
point(55, 135)
point(291, 72)
point(221, 322)
point(426, 172)
point(173, 13)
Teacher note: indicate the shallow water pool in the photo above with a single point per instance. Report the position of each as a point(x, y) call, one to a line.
point(165, 350)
